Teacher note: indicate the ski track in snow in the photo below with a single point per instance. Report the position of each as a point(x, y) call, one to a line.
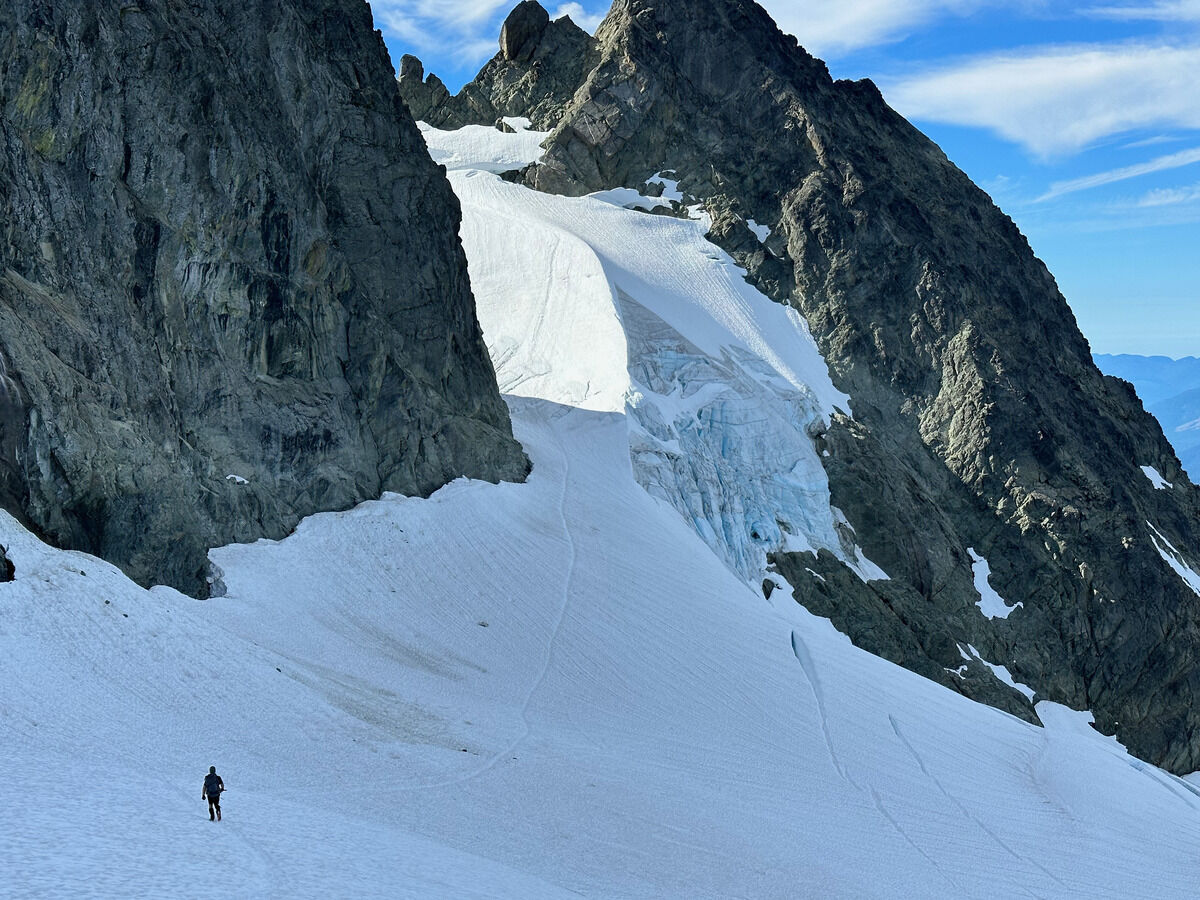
point(800, 649)
point(899, 829)
point(527, 728)
point(967, 814)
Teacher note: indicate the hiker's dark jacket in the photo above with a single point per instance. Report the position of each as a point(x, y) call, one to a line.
point(213, 785)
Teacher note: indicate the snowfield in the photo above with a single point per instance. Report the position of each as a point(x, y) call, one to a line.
point(566, 688)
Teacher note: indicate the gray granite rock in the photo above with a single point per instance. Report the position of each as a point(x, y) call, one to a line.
point(522, 31)
point(540, 65)
point(424, 96)
point(231, 287)
point(979, 419)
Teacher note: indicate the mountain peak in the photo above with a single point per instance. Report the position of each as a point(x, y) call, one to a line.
point(716, 34)
point(536, 72)
point(522, 29)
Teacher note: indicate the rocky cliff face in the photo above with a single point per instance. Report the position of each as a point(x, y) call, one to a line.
point(535, 74)
point(980, 423)
point(231, 288)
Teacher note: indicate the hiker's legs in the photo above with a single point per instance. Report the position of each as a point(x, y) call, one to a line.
point(217, 804)
point(212, 805)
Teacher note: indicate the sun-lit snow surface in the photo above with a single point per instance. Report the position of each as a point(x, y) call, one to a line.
point(589, 304)
point(476, 146)
point(528, 691)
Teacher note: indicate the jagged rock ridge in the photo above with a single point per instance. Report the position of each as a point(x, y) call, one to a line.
point(535, 74)
point(979, 420)
point(231, 288)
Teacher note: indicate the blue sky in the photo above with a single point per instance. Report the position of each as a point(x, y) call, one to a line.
point(1081, 119)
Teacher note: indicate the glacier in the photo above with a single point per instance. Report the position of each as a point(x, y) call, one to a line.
point(723, 389)
point(562, 688)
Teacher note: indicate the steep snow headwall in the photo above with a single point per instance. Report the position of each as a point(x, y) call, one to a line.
point(591, 305)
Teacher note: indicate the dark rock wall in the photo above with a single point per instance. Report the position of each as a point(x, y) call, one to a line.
point(979, 418)
point(225, 252)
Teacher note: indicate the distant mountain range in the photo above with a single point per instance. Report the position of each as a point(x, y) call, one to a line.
point(1170, 390)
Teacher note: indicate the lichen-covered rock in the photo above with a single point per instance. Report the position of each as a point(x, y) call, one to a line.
point(231, 288)
point(979, 419)
point(535, 75)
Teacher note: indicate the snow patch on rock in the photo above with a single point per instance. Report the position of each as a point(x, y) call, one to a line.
point(1160, 483)
point(762, 232)
point(1001, 672)
point(1174, 559)
point(670, 187)
point(990, 603)
point(630, 198)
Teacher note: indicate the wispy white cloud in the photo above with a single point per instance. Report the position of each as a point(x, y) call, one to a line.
point(1162, 11)
point(1152, 141)
point(588, 21)
point(459, 13)
point(1059, 100)
point(467, 28)
point(1124, 173)
point(831, 27)
point(1170, 196)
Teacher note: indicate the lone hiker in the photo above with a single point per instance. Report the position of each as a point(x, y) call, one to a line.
point(213, 785)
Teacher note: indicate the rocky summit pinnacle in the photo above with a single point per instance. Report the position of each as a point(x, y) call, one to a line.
point(981, 429)
point(535, 74)
point(231, 287)
point(699, 59)
point(523, 30)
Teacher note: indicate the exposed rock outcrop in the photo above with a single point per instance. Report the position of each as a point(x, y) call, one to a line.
point(979, 420)
point(523, 30)
point(424, 96)
point(535, 75)
point(231, 288)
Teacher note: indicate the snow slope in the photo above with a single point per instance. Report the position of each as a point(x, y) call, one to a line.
point(555, 689)
point(596, 306)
